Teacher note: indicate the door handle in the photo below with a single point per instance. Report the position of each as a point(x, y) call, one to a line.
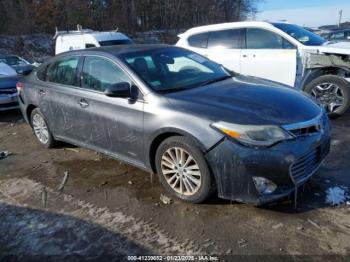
point(244, 56)
point(42, 92)
point(83, 103)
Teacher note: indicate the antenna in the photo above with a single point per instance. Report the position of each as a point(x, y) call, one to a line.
point(340, 17)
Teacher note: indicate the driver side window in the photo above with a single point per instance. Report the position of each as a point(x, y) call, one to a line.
point(100, 73)
point(263, 39)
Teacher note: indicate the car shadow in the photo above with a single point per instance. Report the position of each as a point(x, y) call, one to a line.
point(41, 235)
point(11, 116)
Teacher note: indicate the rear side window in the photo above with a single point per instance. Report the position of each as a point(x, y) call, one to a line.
point(263, 39)
point(64, 71)
point(230, 39)
point(100, 73)
point(199, 40)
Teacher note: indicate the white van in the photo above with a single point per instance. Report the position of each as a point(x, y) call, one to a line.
point(87, 38)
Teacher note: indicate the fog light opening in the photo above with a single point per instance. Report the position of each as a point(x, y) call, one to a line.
point(263, 185)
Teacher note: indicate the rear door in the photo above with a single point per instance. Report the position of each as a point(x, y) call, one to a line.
point(56, 95)
point(270, 56)
point(224, 47)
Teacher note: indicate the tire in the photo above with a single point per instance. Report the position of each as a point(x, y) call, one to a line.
point(40, 128)
point(330, 83)
point(201, 186)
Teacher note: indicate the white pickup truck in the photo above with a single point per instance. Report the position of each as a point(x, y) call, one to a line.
point(280, 52)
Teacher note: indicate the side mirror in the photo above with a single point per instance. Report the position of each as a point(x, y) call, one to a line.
point(123, 89)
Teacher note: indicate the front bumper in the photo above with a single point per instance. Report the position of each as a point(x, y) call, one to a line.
point(234, 166)
point(8, 101)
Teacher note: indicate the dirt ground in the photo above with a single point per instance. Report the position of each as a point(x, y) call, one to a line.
point(107, 208)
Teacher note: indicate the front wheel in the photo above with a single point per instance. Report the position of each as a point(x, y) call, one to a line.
point(182, 169)
point(333, 92)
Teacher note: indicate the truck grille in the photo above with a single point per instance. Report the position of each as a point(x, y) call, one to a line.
point(306, 165)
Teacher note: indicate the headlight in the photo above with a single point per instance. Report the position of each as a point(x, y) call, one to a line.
point(254, 135)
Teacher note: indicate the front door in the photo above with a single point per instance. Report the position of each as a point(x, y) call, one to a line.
point(109, 124)
point(268, 55)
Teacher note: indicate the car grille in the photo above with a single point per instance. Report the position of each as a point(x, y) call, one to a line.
point(8, 105)
point(8, 91)
point(306, 165)
point(310, 127)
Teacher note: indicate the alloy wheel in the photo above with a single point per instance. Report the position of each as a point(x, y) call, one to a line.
point(181, 171)
point(329, 95)
point(40, 128)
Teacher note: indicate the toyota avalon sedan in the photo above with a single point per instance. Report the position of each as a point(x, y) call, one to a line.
point(173, 112)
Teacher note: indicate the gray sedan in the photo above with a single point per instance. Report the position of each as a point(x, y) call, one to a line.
point(170, 111)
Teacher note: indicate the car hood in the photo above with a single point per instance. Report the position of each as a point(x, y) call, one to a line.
point(24, 69)
point(341, 48)
point(246, 100)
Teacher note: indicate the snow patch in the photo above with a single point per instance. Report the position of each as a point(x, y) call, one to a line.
point(336, 195)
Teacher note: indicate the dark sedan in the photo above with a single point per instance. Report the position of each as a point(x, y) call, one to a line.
point(20, 65)
point(170, 111)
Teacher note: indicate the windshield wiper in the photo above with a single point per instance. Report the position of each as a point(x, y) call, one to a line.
point(215, 80)
point(170, 90)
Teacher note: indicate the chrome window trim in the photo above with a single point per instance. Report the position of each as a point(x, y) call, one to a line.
point(315, 121)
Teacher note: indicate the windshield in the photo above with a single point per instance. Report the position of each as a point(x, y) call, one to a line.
point(115, 42)
point(173, 69)
point(13, 61)
point(302, 35)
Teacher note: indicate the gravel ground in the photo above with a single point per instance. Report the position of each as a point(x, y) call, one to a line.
point(108, 209)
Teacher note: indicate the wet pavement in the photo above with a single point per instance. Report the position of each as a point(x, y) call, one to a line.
point(137, 222)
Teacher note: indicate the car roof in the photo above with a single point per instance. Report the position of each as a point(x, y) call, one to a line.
point(222, 26)
point(117, 50)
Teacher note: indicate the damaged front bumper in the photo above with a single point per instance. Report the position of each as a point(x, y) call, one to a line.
point(288, 165)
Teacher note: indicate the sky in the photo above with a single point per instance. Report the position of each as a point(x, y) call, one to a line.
point(312, 13)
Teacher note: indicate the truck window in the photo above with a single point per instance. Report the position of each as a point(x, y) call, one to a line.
point(198, 40)
point(89, 45)
point(230, 39)
point(263, 39)
point(115, 42)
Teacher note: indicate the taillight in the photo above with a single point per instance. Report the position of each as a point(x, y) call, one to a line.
point(19, 86)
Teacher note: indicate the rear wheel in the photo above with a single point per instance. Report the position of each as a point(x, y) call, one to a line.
point(182, 169)
point(41, 129)
point(333, 92)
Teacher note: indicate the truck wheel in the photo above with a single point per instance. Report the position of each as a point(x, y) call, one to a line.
point(333, 92)
point(182, 169)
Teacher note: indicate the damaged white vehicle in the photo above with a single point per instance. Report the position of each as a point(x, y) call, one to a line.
point(280, 52)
